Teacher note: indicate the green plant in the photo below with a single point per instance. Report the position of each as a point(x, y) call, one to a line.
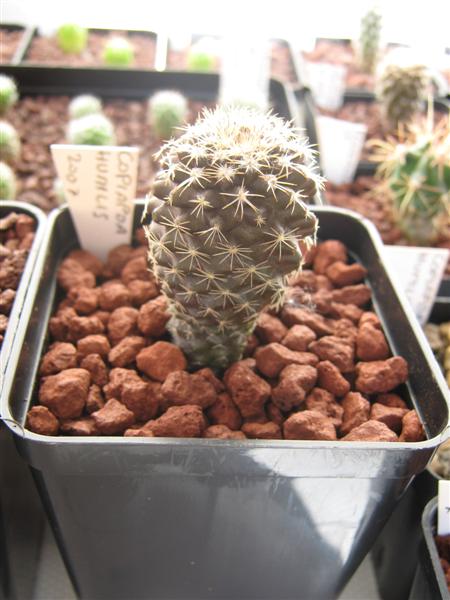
point(92, 130)
point(72, 38)
point(8, 186)
point(118, 52)
point(202, 56)
point(167, 111)
point(9, 142)
point(369, 40)
point(223, 222)
point(83, 105)
point(8, 93)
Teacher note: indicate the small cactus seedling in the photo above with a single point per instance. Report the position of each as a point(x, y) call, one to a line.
point(118, 52)
point(8, 93)
point(83, 105)
point(369, 41)
point(202, 56)
point(91, 130)
point(72, 38)
point(223, 222)
point(167, 111)
point(8, 186)
point(9, 142)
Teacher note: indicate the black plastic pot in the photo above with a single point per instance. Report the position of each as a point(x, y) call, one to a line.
point(27, 34)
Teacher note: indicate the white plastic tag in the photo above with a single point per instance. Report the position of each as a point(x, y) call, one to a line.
point(99, 185)
point(327, 83)
point(419, 272)
point(443, 517)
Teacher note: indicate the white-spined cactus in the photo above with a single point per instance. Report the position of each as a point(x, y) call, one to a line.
point(8, 93)
point(83, 105)
point(91, 130)
point(118, 52)
point(369, 41)
point(72, 38)
point(223, 221)
point(10, 145)
point(8, 185)
point(168, 110)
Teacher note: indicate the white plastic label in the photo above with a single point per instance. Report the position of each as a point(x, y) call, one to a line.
point(99, 185)
point(419, 272)
point(340, 144)
point(443, 517)
point(327, 83)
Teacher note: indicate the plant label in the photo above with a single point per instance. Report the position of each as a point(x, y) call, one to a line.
point(419, 272)
point(327, 83)
point(443, 517)
point(99, 184)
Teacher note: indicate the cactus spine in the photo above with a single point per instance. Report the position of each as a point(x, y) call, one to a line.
point(369, 40)
point(223, 223)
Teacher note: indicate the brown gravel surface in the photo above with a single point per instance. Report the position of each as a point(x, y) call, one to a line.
point(9, 41)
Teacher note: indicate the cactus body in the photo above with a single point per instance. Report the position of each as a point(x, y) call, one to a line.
point(223, 224)
point(118, 52)
point(71, 38)
point(8, 93)
point(8, 186)
point(9, 142)
point(369, 41)
point(93, 130)
point(84, 105)
point(202, 55)
point(167, 111)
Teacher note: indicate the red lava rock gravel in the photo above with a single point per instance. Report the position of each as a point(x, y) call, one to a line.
point(111, 368)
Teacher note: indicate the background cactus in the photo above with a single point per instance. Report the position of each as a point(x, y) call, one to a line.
point(9, 142)
point(118, 52)
point(369, 40)
point(223, 224)
point(93, 130)
point(8, 93)
point(8, 186)
point(167, 111)
point(72, 38)
point(83, 105)
point(202, 55)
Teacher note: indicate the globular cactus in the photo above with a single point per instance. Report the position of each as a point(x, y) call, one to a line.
point(93, 130)
point(83, 105)
point(8, 186)
point(72, 38)
point(8, 93)
point(223, 221)
point(369, 41)
point(58, 191)
point(9, 142)
point(167, 111)
point(118, 52)
point(202, 56)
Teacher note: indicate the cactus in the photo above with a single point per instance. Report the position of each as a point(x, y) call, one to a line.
point(417, 175)
point(167, 111)
point(91, 130)
point(118, 52)
point(8, 93)
point(202, 56)
point(9, 142)
point(8, 186)
point(369, 41)
point(84, 105)
point(71, 38)
point(223, 224)
point(58, 191)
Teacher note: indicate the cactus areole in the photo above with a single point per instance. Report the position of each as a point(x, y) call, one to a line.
point(223, 222)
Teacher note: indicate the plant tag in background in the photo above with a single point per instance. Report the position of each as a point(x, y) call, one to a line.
point(327, 83)
point(419, 272)
point(443, 517)
point(100, 187)
point(340, 144)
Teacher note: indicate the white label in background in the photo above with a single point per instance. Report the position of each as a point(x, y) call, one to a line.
point(340, 144)
point(443, 517)
point(327, 84)
point(419, 272)
point(100, 187)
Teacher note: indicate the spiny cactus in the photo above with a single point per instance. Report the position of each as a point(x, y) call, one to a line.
point(167, 111)
point(83, 105)
point(8, 186)
point(93, 130)
point(202, 56)
point(72, 38)
point(8, 93)
point(223, 222)
point(369, 40)
point(118, 52)
point(9, 142)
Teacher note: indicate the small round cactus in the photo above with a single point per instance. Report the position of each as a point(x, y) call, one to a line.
point(202, 56)
point(8, 186)
point(8, 93)
point(223, 222)
point(58, 190)
point(369, 41)
point(118, 52)
point(83, 105)
point(167, 111)
point(72, 38)
point(9, 142)
point(91, 130)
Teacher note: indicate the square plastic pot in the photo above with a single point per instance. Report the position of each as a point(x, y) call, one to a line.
point(161, 518)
